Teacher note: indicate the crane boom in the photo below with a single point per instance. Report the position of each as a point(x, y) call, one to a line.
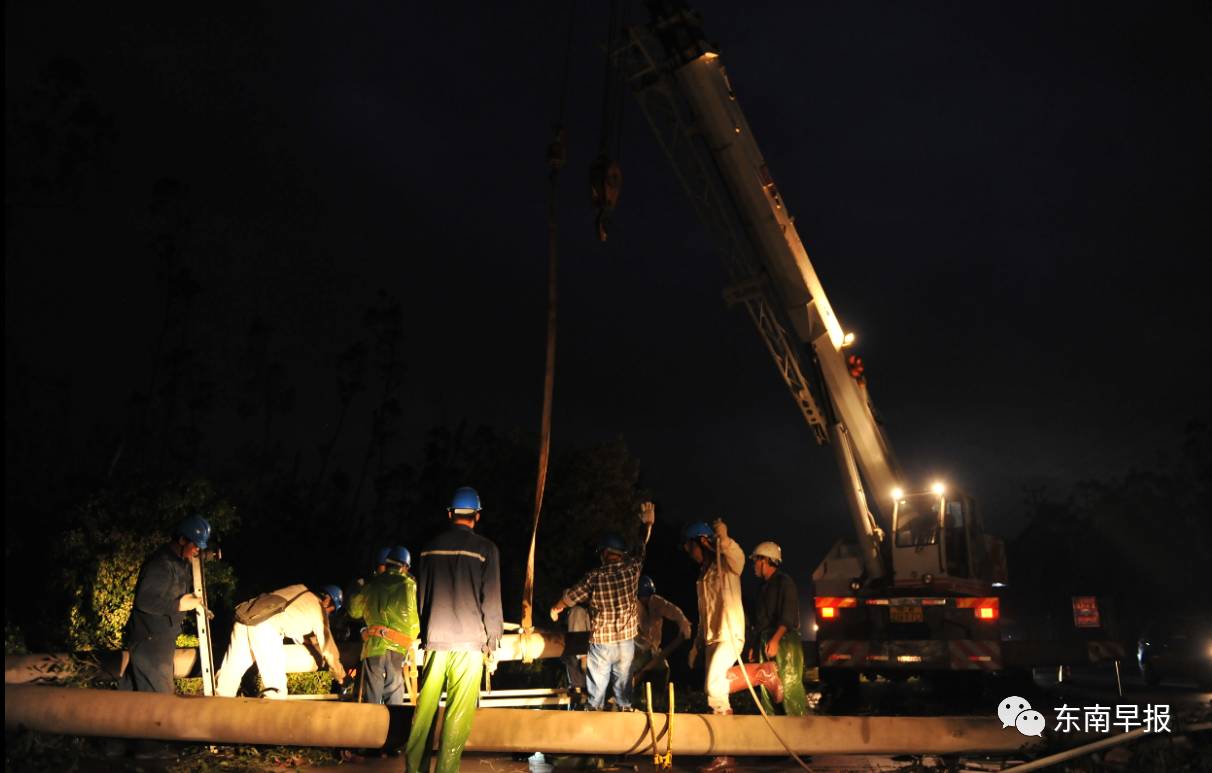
point(917, 595)
point(684, 89)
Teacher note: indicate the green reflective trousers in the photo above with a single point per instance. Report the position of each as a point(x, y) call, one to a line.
point(790, 662)
point(459, 673)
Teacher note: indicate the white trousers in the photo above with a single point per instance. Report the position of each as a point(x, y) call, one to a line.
point(260, 644)
point(721, 656)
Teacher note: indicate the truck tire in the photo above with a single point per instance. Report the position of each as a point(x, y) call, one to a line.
point(839, 689)
point(1150, 675)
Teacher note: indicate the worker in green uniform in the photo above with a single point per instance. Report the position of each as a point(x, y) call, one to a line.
point(459, 596)
point(388, 604)
point(777, 628)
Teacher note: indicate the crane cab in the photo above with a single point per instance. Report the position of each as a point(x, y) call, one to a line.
point(938, 542)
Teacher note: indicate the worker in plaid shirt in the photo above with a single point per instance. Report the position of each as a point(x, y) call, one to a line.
point(610, 590)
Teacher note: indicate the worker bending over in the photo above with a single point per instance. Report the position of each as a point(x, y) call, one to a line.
point(293, 612)
point(388, 604)
point(776, 627)
point(610, 590)
point(651, 612)
point(459, 594)
point(721, 634)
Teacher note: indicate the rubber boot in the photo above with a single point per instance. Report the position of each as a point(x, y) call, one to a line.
point(760, 675)
point(718, 764)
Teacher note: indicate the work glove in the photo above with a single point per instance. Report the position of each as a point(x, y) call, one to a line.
point(189, 602)
point(555, 614)
point(648, 513)
point(720, 528)
point(490, 663)
point(694, 655)
point(687, 631)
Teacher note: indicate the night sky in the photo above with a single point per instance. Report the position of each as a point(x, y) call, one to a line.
point(1008, 203)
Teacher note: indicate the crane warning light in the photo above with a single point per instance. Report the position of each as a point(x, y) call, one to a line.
point(855, 364)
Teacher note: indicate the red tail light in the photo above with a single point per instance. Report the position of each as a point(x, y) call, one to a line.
point(983, 608)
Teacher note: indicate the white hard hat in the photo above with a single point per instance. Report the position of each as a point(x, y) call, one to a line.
point(768, 550)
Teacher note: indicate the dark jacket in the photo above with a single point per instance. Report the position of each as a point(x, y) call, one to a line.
point(778, 604)
point(163, 580)
point(459, 592)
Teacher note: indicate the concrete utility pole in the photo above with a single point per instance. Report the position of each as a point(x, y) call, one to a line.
point(120, 714)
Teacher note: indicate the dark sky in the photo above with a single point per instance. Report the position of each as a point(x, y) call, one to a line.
point(1007, 202)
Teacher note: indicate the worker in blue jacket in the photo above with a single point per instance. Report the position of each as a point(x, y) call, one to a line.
point(459, 597)
point(163, 596)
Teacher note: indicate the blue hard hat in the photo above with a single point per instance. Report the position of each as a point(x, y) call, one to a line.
point(465, 498)
point(695, 530)
point(334, 593)
point(194, 528)
point(646, 587)
point(400, 555)
point(381, 555)
point(612, 542)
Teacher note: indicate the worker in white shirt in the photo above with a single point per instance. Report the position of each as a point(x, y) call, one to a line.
point(295, 613)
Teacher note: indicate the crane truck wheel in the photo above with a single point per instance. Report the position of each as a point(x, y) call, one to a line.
point(839, 689)
point(1149, 673)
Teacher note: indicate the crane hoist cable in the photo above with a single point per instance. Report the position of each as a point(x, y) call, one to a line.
point(555, 162)
point(605, 175)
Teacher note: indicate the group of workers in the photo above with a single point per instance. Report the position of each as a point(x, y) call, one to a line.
point(453, 607)
point(626, 616)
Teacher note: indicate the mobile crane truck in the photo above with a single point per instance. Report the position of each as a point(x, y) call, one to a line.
point(917, 590)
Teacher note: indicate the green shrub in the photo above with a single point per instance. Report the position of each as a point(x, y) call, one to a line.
point(190, 685)
point(116, 530)
point(314, 683)
point(14, 640)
